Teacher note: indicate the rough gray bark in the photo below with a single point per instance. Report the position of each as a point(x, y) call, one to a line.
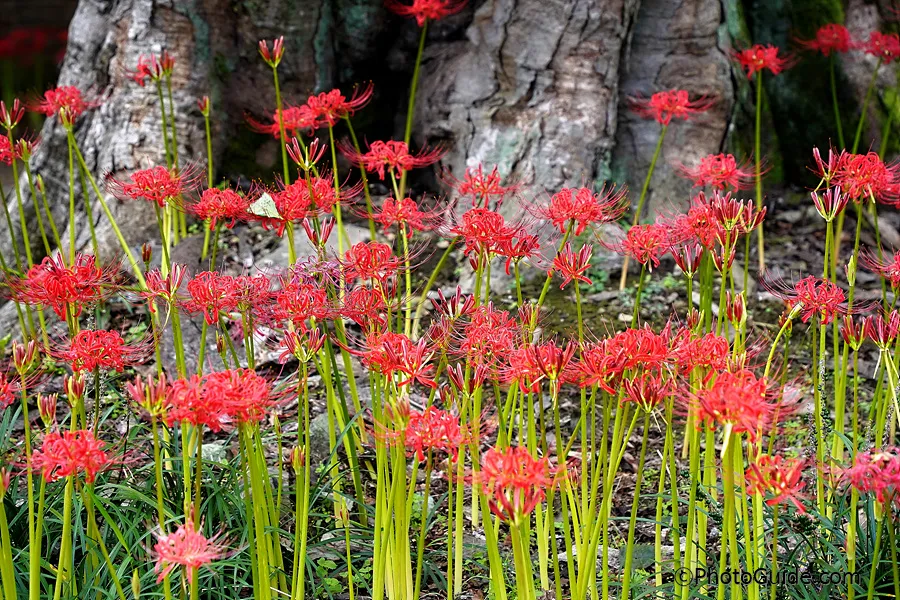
point(674, 45)
point(863, 17)
point(533, 89)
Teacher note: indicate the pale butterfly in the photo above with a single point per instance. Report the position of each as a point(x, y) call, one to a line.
point(264, 207)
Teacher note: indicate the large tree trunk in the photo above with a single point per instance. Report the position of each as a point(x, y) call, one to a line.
point(537, 87)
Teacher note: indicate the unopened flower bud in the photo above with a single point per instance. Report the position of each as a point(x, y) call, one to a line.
point(298, 458)
point(5, 481)
point(850, 270)
point(24, 356)
point(735, 309)
point(220, 343)
point(135, 584)
point(75, 386)
point(146, 253)
point(272, 57)
point(47, 408)
point(693, 319)
point(203, 105)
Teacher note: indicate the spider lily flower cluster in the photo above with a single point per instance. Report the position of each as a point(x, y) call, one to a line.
point(457, 424)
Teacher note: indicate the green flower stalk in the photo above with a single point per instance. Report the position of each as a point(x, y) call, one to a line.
point(754, 61)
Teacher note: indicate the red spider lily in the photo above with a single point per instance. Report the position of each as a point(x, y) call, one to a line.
point(150, 396)
point(319, 237)
point(740, 402)
point(583, 207)
point(67, 101)
point(688, 257)
point(391, 157)
point(862, 176)
point(888, 268)
point(709, 352)
point(213, 294)
point(70, 453)
point(647, 389)
point(370, 260)
point(720, 172)
point(646, 244)
point(534, 363)
point(8, 152)
point(699, 224)
point(406, 212)
point(513, 481)
point(454, 307)
point(832, 37)
point(434, 430)
point(303, 346)
point(758, 57)
point(185, 547)
point(603, 363)
point(517, 249)
point(98, 349)
point(457, 376)
point(307, 157)
point(572, 266)
point(66, 289)
point(853, 331)
point(216, 400)
point(331, 107)
point(253, 293)
point(157, 184)
point(735, 215)
point(297, 303)
point(488, 337)
point(884, 46)
point(154, 69)
point(272, 57)
point(814, 297)
point(24, 148)
point(10, 117)
point(723, 259)
point(366, 307)
point(827, 169)
point(831, 203)
point(882, 329)
point(484, 232)
point(778, 478)
point(481, 188)
point(664, 106)
point(296, 119)
point(9, 390)
point(875, 471)
point(410, 360)
point(226, 206)
point(426, 10)
point(163, 288)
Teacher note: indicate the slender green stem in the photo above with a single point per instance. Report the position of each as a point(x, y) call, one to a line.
point(834, 100)
point(135, 265)
point(637, 297)
point(411, 106)
point(642, 199)
point(865, 108)
point(632, 521)
point(282, 140)
point(365, 180)
point(757, 158)
point(209, 179)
